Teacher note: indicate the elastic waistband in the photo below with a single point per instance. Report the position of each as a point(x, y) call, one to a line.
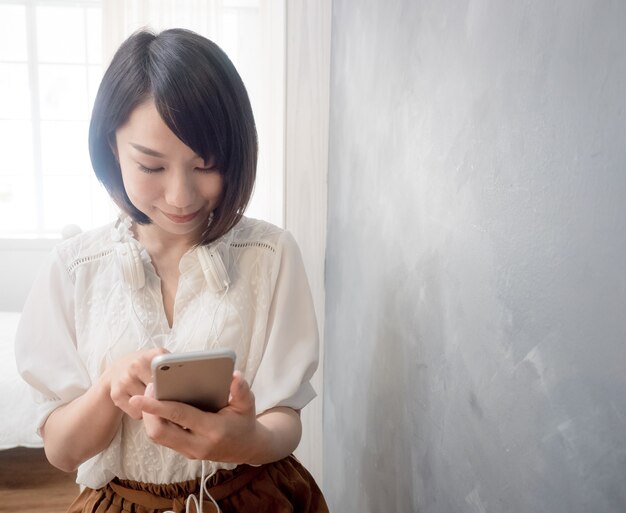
point(218, 492)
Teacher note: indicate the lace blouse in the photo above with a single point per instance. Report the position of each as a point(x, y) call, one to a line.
point(81, 315)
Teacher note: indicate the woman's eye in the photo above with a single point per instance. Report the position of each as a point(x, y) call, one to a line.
point(150, 169)
point(209, 169)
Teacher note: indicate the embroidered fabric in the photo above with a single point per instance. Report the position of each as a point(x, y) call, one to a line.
point(91, 318)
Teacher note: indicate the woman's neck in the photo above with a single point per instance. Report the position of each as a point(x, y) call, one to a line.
point(160, 244)
point(166, 251)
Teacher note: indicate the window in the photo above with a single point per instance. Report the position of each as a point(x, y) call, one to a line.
point(52, 54)
point(50, 68)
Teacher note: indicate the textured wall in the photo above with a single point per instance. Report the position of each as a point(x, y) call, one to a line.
point(476, 262)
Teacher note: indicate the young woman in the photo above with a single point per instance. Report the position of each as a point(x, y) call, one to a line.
point(173, 140)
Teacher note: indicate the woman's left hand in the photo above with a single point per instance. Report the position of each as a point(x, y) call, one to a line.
point(229, 436)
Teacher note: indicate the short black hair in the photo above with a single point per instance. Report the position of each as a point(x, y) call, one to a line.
point(200, 97)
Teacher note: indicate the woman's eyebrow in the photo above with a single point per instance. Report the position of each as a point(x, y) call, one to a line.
point(147, 151)
point(154, 153)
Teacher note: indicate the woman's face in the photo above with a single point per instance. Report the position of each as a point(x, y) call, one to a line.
point(163, 177)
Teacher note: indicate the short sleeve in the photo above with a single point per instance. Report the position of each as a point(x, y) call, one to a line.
point(291, 352)
point(45, 342)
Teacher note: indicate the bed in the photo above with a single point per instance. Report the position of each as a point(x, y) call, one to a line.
point(17, 409)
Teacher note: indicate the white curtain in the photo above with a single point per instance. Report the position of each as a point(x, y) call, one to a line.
point(252, 33)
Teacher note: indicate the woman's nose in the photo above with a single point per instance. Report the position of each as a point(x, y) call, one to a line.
point(180, 190)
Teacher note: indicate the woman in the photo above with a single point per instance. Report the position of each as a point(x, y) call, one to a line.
point(173, 140)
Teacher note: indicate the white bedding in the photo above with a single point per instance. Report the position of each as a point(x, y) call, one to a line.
point(17, 409)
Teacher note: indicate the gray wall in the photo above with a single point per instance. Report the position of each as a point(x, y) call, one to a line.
point(476, 277)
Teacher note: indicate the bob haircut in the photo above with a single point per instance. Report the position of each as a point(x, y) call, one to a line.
point(200, 97)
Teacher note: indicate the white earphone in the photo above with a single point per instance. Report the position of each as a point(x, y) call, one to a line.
point(132, 270)
point(213, 267)
point(131, 265)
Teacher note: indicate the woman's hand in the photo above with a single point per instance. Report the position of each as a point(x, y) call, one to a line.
point(84, 427)
point(225, 436)
point(128, 377)
point(233, 435)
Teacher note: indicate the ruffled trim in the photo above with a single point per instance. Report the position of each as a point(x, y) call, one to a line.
point(122, 232)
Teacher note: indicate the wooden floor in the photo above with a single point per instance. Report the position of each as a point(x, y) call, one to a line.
point(29, 484)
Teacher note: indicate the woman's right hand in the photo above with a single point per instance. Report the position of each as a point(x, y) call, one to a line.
point(129, 376)
point(84, 427)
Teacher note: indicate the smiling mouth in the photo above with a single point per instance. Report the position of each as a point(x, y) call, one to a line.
point(181, 219)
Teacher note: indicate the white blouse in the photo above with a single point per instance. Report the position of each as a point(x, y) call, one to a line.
point(82, 314)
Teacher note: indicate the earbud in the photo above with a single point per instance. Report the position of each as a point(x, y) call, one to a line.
point(213, 267)
point(132, 270)
point(131, 265)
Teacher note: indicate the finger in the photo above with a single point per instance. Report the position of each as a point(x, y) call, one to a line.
point(134, 413)
point(156, 351)
point(142, 402)
point(142, 367)
point(122, 391)
point(122, 401)
point(178, 413)
point(131, 407)
point(121, 398)
point(170, 435)
point(241, 397)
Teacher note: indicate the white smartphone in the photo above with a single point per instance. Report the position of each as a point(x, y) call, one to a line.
point(200, 378)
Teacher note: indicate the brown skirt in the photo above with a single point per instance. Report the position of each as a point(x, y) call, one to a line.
point(283, 486)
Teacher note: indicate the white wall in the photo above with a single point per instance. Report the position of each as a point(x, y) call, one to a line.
point(306, 165)
point(20, 260)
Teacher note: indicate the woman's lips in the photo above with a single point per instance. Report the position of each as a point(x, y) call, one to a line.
point(181, 219)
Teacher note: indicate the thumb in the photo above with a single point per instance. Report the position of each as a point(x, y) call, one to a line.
point(241, 397)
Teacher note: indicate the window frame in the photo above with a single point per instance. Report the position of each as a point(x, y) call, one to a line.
point(11, 240)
